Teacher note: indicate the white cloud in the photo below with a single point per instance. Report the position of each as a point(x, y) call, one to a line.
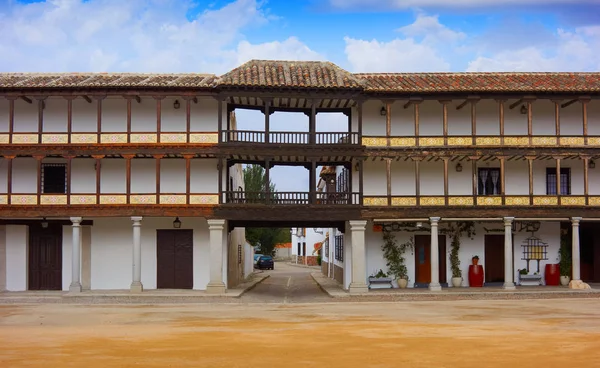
point(133, 35)
point(408, 4)
point(432, 31)
point(290, 49)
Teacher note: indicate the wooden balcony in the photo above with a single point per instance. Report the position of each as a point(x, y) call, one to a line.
point(481, 141)
point(108, 138)
point(87, 199)
point(291, 198)
point(298, 138)
point(482, 201)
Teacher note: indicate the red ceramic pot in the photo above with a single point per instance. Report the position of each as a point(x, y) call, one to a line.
point(552, 274)
point(475, 276)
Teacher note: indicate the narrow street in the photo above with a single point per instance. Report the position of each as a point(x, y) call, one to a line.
point(286, 284)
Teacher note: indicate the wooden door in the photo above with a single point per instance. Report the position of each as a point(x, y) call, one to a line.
point(423, 258)
point(174, 259)
point(45, 257)
point(494, 258)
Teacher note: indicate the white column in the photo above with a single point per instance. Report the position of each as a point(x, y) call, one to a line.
point(75, 286)
point(358, 284)
point(136, 284)
point(434, 285)
point(508, 254)
point(575, 248)
point(216, 284)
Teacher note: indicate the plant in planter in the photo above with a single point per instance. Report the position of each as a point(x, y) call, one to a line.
point(564, 263)
point(523, 271)
point(394, 257)
point(456, 231)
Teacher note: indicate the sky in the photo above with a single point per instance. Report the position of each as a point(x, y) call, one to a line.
point(358, 35)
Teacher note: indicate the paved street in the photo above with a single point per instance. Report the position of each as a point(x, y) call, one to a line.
point(286, 284)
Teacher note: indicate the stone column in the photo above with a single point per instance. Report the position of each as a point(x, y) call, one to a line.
point(75, 286)
point(136, 284)
point(434, 285)
point(575, 248)
point(358, 284)
point(216, 284)
point(508, 254)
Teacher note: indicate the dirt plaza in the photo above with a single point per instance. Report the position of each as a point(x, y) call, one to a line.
point(544, 333)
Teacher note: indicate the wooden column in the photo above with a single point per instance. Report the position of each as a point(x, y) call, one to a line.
point(99, 117)
point(268, 121)
point(474, 178)
point(128, 176)
point(39, 176)
point(11, 118)
point(9, 178)
point(128, 119)
point(220, 123)
point(586, 184)
point(445, 120)
point(41, 104)
point(188, 176)
point(98, 164)
point(388, 173)
point(220, 173)
point(312, 126)
point(474, 120)
point(313, 182)
point(158, 116)
point(530, 164)
point(188, 119)
point(69, 117)
point(268, 180)
point(529, 121)
point(584, 104)
point(417, 161)
point(416, 104)
point(157, 158)
point(388, 122)
point(360, 127)
point(69, 168)
point(502, 160)
point(557, 120)
point(446, 191)
point(501, 119)
point(360, 181)
point(558, 189)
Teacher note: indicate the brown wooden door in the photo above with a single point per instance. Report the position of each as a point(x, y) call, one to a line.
point(494, 258)
point(174, 259)
point(423, 258)
point(45, 257)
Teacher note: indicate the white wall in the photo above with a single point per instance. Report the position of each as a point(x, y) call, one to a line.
point(311, 238)
point(17, 239)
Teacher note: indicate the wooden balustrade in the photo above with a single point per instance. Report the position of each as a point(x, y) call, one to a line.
point(30, 138)
point(79, 199)
point(508, 200)
point(252, 136)
point(291, 198)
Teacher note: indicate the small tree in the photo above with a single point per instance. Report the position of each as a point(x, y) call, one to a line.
point(394, 255)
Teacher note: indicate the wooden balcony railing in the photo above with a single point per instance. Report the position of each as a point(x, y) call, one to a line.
point(470, 200)
point(482, 141)
point(31, 199)
point(255, 136)
point(292, 198)
point(109, 138)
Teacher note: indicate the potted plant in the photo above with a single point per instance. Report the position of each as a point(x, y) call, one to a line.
point(394, 257)
point(455, 260)
point(564, 263)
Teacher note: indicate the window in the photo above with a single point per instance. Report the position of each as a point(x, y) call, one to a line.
point(54, 178)
point(565, 181)
point(488, 181)
point(299, 249)
point(327, 247)
point(339, 248)
point(239, 254)
point(343, 181)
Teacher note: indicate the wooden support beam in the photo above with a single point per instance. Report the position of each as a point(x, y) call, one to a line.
point(220, 170)
point(41, 105)
point(26, 99)
point(416, 113)
point(128, 176)
point(502, 178)
point(9, 172)
point(530, 165)
point(158, 116)
point(501, 119)
point(68, 186)
point(138, 98)
point(388, 122)
point(98, 166)
point(446, 191)
point(586, 186)
point(474, 178)
point(39, 177)
point(188, 119)
point(220, 122)
point(462, 104)
point(99, 116)
point(360, 124)
point(158, 158)
point(267, 120)
point(360, 181)
point(87, 98)
point(584, 114)
point(558, 189)
point(388, 175)
point(515, 104)
point(69, 119)
point(11, 119)
point(569, 103)
point(473, 121)
point(530, 122)
point(445, 120)
point(128, 119)
point(557, 118)
point(407, 104)
point(188, 176)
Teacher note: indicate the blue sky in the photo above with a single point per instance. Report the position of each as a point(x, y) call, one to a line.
point(359, 35)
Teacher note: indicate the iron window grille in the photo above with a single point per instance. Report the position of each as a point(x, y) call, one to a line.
point(339, 248)
point(54, 178)
point(565, 181)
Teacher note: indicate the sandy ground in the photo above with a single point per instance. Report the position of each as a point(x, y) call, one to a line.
point(285, 331)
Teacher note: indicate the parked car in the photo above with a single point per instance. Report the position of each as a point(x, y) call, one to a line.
point(265, 263)
point(256, 258)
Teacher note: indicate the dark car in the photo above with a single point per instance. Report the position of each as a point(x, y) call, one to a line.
point(265, 263)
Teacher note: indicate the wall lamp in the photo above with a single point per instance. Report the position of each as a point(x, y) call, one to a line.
point(383, 111)
point(458, 167)
point(176, 105)
point(592, 164)
point(44, 223)
point(523, 110)
point(177, 223)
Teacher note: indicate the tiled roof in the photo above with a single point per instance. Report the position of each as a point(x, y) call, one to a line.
point(290, 74)
point(104, 80)
point(271, 74)
point(481, 82)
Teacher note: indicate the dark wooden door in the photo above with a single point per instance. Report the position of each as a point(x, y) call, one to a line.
point(45, 257)
point(423, 258)
point(174, 261)
point(494, 258)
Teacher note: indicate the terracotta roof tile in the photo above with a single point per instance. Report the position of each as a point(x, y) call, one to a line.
point(290, 74)
point(481, 82)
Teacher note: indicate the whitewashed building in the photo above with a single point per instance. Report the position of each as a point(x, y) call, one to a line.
point(98, 170)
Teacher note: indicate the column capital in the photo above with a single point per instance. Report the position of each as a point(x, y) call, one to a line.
point(575, 220)
point(357, 224)
point(216, 224)
point(76, 220)
point(434, 220)
point(508, 221)
point(136, 220)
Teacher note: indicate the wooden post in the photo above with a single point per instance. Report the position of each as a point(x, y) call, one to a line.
point(188, 120)
point(157, 158)
point(313, 182)
point(158, 116)
point(388, 123)
point(530, 164)
point(557, 120)
point(558, 189)
point(99, 118)
point(220, 173)
point(360, 130)
point(502, 178)
point(220, 125)
point(39, 177)
point(445, 120)
point(128, 176)
point(9, 178)
point(188, 180)
point(416, 104)
point(40, 118)
point(69, 119)
point(529, 122)
point(474, 120)
point(586, 188)
point(68, 186)
point(501, 119)
point(474, 177)
point(128, 119)
point(584, 103)
point(388, 173)
point(98, 166)
point(267, 121)
point(11, 118)
point(417, 179)
point(312, 138)
point(446, 191)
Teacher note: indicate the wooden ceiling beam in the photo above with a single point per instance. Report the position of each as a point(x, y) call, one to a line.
point(569, 103)
point(463, 104)
point(87, 98)
point(138, 98)
point(515, 104)
point(26, 99)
